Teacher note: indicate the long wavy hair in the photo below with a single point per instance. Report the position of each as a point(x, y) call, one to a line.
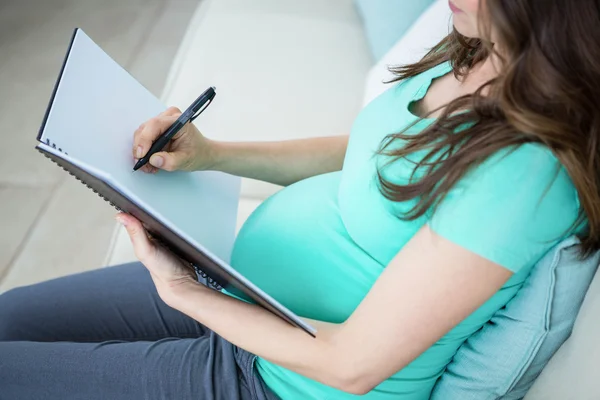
point(548, 92)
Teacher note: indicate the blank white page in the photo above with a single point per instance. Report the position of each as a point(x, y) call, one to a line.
point(96, 108)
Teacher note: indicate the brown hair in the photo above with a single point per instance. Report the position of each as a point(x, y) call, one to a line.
point(548, 92)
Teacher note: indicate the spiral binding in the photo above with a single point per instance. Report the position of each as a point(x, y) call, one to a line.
point(209, 280)
point(80, 180)
point(53, 145)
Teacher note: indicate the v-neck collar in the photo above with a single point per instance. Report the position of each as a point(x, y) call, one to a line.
point(424, 83)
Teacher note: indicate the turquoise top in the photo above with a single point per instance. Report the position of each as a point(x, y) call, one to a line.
point(317, 246)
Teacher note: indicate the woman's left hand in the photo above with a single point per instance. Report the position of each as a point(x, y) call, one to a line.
point(170, 273)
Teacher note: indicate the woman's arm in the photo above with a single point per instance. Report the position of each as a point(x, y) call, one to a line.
point(282, 163)
point(429, 287)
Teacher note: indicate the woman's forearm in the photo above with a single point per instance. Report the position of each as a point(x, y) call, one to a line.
point(266, 335)
point(282, 163)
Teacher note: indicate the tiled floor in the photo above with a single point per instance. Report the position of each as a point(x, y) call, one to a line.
point(51, 225)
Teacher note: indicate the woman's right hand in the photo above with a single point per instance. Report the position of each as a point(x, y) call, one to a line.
point(189, 150)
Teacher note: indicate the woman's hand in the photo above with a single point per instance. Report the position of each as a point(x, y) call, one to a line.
point(170, 274)
point(189, 150)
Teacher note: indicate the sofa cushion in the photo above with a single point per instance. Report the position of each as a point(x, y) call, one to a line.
point(573, 371)
point(503, 359)
point(283, 69)
point(431, 27)
point(386, 21)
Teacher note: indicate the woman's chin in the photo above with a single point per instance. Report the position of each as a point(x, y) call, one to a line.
point(464, 27)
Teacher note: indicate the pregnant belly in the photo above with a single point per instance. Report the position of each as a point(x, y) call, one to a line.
point(295, 247)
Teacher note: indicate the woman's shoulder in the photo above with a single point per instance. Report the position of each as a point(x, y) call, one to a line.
point(514, 205)
point(529, 167)
point(529, 173)
point(532, 161)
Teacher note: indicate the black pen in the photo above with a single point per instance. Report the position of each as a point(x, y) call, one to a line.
point(188, 115)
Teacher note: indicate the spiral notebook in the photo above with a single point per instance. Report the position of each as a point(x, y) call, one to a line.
point(88, 131)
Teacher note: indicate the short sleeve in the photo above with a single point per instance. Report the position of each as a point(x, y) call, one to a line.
point(511, 209)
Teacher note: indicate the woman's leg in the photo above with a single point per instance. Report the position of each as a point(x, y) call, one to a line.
point(130, 345)
point(167, 369)
point(115, 303)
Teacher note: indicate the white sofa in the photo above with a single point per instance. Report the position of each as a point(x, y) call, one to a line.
point(288, 69)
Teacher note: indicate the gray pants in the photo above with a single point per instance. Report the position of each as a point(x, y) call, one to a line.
point(106, 334)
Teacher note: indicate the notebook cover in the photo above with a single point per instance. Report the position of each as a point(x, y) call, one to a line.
point(62, 70)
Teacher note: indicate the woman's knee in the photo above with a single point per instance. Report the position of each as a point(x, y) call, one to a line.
point(15, 315)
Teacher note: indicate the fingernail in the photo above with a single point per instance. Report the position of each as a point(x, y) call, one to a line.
point(138, 152)
point(157, 161)
point(121, 221)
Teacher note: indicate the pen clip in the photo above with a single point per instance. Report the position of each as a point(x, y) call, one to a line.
point(201, 110)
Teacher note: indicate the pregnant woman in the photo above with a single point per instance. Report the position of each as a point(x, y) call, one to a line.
point(397, 243)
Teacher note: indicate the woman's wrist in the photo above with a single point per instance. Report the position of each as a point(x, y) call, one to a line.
point(214, 156)
point(178, 296)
